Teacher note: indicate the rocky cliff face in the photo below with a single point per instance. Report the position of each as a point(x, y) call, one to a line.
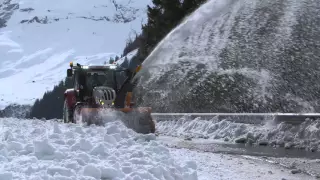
point(237, 56)
point(7, 8)
point(16, 111)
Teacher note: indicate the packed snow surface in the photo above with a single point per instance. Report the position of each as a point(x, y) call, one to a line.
point(304, 136)
point(34, 150)
point(38, 39)
point(231, 167)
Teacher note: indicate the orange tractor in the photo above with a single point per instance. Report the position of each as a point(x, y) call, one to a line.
point(104, 92)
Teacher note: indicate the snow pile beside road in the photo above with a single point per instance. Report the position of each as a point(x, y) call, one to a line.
point(303, 136)
point(34, 149)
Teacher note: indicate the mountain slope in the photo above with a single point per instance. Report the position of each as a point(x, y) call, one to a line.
point(237, 56)
point(38, 39)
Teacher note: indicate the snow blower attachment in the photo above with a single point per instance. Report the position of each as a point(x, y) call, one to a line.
point(104, 92)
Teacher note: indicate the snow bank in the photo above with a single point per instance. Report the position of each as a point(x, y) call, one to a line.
point(303, 136)
point(34, 149)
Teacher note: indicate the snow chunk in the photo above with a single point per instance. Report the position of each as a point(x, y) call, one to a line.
point(113, 129)
point(92, 171)
point(83, 145)
point(3, 159)
point(124, 134)
point(15, 146)
point(8, 136)
point(4, 152)
point(29, 148)
point(110, 173)
point(60, 170)
point(191, 164)
point(56, 128)
point(72, 165)
point(110, 139)
point(98, 150)
point(127, 169)
point(79, 130)
point(43, 148)
point(5, 176)
point(84, 157)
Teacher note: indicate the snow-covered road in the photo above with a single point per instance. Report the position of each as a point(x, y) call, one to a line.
point(216, 160)
point(35, 150)
point(232, 167)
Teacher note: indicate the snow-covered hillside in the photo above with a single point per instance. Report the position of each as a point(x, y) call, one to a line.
point(238, 56)
point(38, 39)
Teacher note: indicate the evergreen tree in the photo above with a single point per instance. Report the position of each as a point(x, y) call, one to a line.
point(163, 16)
point(51, 104)
point(132, 45)
point(111, 60)
point(189, 6)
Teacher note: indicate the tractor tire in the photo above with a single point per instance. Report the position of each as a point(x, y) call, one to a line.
point(148, 120)
point(81, 117)
point(67, 113)
point(152, 126)
point(77, 118)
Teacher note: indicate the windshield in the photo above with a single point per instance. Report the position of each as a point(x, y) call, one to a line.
point(100, 78)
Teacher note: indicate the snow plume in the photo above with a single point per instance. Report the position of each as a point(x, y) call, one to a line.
point(34, 149)
point(261, 132)
point(237, 56)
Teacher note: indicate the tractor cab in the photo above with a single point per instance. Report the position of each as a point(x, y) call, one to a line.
point(88, 78)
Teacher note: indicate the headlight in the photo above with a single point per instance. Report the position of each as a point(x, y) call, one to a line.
point(101, 102)
point(113, 67)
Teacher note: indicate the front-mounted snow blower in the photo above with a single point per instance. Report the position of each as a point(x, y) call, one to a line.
point(104, 91)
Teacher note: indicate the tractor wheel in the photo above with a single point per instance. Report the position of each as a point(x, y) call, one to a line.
point(82, 117)
point(78, 116)
point(152, 126)
point(67, 113)
point(151, 123)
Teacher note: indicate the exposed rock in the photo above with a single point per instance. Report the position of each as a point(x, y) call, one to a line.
point(263, 143)
point(37, 20)
point(295, 171)
point(7, 8)
point(26, 9)
point(241, 140)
